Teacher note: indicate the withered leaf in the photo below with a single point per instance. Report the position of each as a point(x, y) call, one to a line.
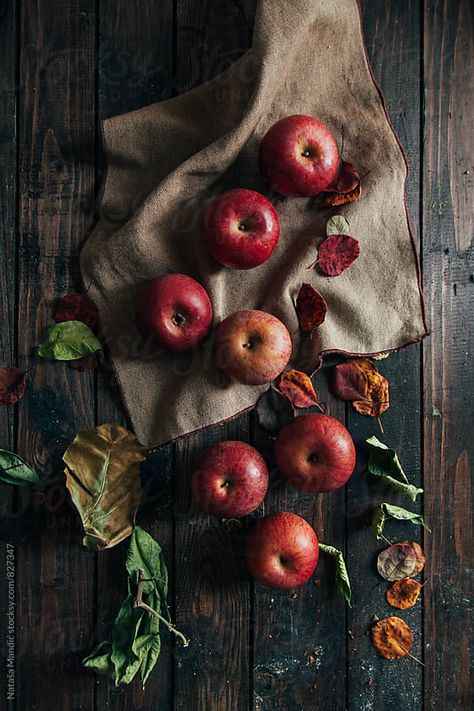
point(348, 382)
point(397, 561)
point(338, 199)
point(298, 388)
point(76, 307)
point(377, 398)
point(90, 362)
point(12, 385)
point(274, 410)
point(336, 253)
point(346, 180)
point(103, 478)
point(420, 557)
point(392, 638)
point(311, 308)
point(403, 594)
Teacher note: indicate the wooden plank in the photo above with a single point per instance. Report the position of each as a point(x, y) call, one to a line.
point(448, 192)
point(211, 593)
point(392, 34)
point(299, 647)
point(135, 65)
point(8, 258)
point(56, 149)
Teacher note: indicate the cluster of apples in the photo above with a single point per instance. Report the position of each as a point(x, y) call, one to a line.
point(240, 229)
point(315, 453)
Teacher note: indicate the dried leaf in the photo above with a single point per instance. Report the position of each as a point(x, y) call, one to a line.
point(298, 388)
point(397, 561)
point(420, 557)
point(337, 225)
point(14, 470)
point(103, 478)
point(384, 463)
point(70, 340)
point(346, 180)
point(90, 362)
point(76, 307)
point(343, 584)
point(392, 638)
point(384, 511)
point(403, 594)
point(381, 356)
point(338, 199)
point(377, 398)
point(12, 385)
point(274, 410)
point(310, 308)
point(348, 382)
point(336, 253)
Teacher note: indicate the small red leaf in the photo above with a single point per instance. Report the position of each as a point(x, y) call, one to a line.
point(12, 385)
point(335, 199)
point(76, 307)
point(348, 382)
point(336, 253)
point(310, 308)
point(298, 388)
point(89, 362)
point(346, 180)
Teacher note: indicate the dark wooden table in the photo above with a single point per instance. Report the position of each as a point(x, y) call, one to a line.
point(64, 65)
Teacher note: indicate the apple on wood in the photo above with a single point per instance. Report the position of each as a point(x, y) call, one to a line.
point(230, 479)
point(298, 156)
point(315, 453)
point(175, 311)
point(252, 347)
point(241, 229)
point(282, 550)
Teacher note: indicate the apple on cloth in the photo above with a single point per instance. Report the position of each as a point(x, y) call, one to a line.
point(168, 161)
point(230, 479)
point(282, 550)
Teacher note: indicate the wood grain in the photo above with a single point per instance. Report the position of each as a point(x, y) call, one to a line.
point(8, 291)
point(135, 65)
point(392, 35)
point(447, 356)
point(56, 176)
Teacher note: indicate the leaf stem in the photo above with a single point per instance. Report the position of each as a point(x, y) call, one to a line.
point(380, 425)
point(140, 603)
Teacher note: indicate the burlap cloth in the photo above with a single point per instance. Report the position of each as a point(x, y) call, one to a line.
point(166, 160)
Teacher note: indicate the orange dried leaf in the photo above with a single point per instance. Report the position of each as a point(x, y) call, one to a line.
point(336, 199)
point(347, 179)
point(403, 593)
point(377, 398)
point(311, 308)
point(298, 388)
point(392, 638)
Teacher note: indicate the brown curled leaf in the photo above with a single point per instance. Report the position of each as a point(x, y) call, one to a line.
point(346, 180)
point(12, 385)
point(403, 594)
point(90, 362)
point(337, 199)
point(392, 638)
point(377, 398)
point(298, 388)
point(311, 308)
point(397, 561)
point(76, 307)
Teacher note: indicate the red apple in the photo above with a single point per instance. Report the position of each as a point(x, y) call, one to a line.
point(252, 347)
point(315, 453)
point(241, 229)
point(230, 479)
point(175, 311)
point(298, 156)
point(282, 550)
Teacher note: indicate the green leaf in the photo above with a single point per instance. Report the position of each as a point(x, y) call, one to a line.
point(343, 584)
point(337, 225)
point(100, 660)
point(384, 463)
point(14, 470)
point(384, 511)
point(124, 635)
point(144, 553)
point(70, 340)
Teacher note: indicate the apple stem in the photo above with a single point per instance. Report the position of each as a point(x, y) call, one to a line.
point(139, 603)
